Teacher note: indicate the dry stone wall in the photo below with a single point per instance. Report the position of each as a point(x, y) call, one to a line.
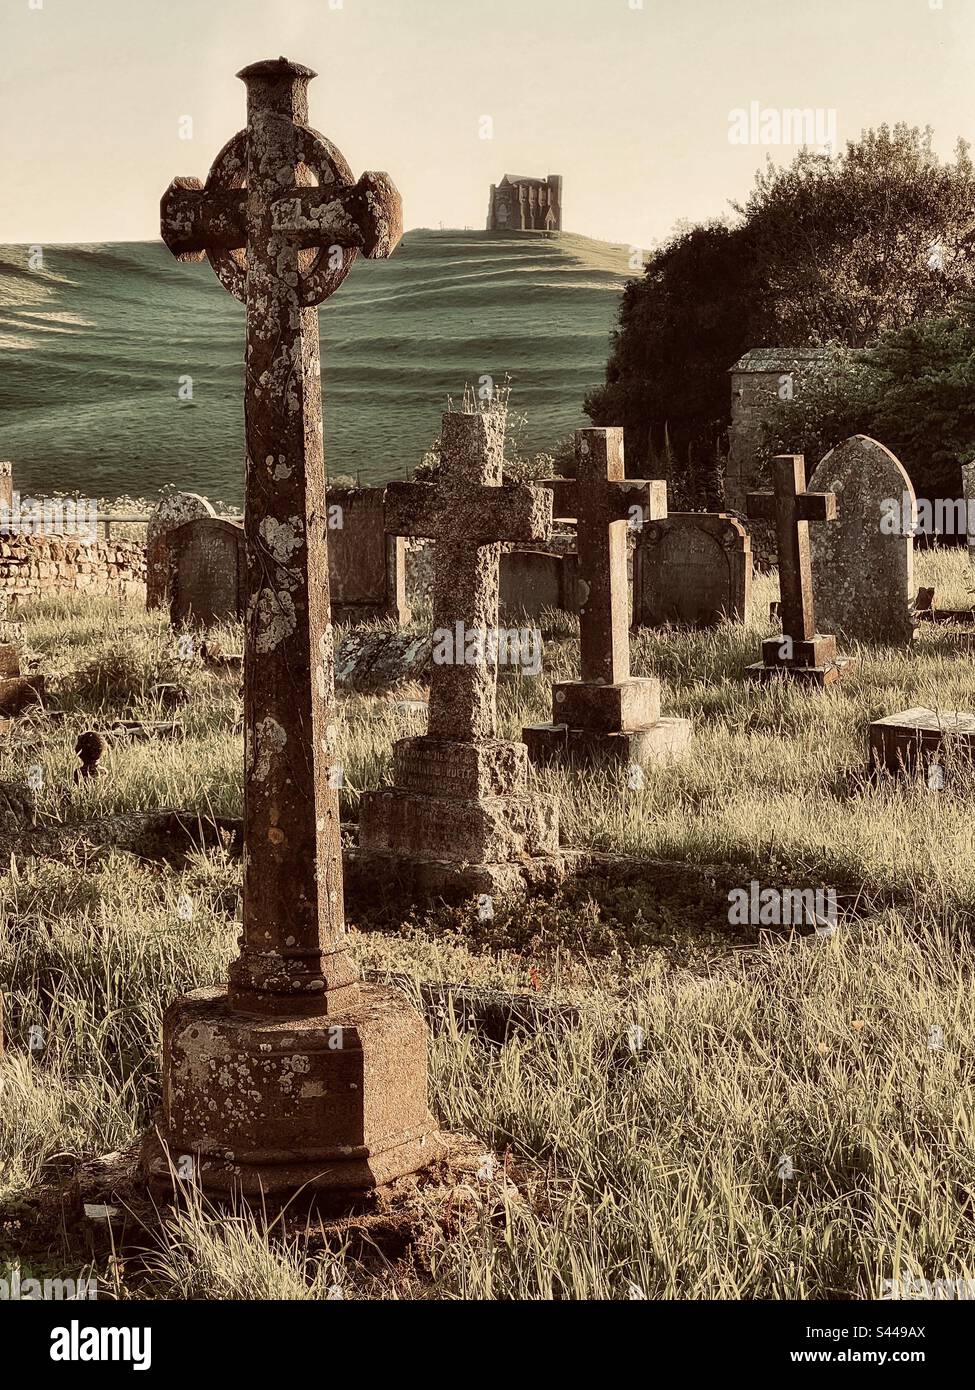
point(34, 566)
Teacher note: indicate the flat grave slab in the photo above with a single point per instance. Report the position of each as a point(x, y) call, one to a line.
point(916, 740)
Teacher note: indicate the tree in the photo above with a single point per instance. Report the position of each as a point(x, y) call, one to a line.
point(828, 250)
point(914, 390)
point(680, 328)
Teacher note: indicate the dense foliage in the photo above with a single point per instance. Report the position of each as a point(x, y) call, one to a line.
point(914, 391)
point(825, 251)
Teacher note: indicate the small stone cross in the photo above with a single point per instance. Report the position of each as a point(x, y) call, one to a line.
point(605, 502)
point(791, 507)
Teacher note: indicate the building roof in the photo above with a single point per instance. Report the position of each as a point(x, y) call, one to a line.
point(777, 359)
point(522, 178)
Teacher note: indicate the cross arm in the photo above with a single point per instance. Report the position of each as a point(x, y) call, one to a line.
point(816, 506)
point(513, 512)
point(563, 491)
point(760, 506)
point(646, 498)
point(478, 516)
point(194, 219)
point(366, 216)
point(412, 509)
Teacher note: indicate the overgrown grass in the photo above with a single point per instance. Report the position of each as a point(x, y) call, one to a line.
point(655, 1133)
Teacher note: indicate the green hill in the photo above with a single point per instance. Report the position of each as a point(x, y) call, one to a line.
point(95, 343)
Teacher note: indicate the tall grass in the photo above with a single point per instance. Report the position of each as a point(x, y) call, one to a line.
point(649, 1142)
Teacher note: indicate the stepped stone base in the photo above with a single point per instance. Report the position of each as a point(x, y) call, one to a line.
point(596, 724)
point(265, 1105)
point(460, 821)
point(495, 830)
point(666, 739)
point(813, 662)
point(630, 704)
point(790, 652)
point(396, 878)
point(822, 676)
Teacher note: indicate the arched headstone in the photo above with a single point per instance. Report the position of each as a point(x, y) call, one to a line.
point(863, 562)
point(693, 569)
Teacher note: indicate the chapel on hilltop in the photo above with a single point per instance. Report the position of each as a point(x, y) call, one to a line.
point(519, 203)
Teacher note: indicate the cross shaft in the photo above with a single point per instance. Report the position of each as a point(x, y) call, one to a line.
point(293, 959)
point(604, 502)
point(791, 507)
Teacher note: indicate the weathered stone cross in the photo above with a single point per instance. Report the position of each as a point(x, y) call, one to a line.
point(468, 513)
point(801, 653)
point(296, 1075)
point(604, 502)
point(792, 508)
point(608, 715)
point(460, 819)
point(282, 247)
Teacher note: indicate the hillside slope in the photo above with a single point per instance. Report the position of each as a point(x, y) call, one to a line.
point(93, 346)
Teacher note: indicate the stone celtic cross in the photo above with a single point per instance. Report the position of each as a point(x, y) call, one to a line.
point(468, 513)
point(282, 242)
point(296, 1076)
point(792, 508)
point(604, 502)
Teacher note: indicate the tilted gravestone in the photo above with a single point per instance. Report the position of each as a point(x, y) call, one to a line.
point(968, 488)
point(170, 512)
point(460, 820)
point(373, 659)
point(863, 563)
point(207, 572)
point(608, 715)
point(801, 652)
point(693, 569)
point(294, 1076)
point(366, 565)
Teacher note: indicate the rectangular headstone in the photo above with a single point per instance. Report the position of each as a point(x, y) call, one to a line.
point(170, 512)
point(693, 569)
point(366, 566)
point(208, 563)
point(533, 580)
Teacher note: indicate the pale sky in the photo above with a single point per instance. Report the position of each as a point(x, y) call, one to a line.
point(628, 99)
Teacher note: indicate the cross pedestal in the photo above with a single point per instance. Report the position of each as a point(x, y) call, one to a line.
point(608, 715)
point(460, 820)
point(295, 1074)
point(800, 653)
